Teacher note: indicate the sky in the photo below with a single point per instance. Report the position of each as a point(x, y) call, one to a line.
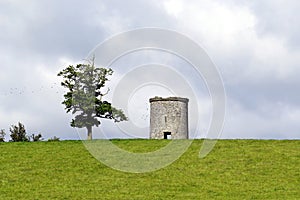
point(254, 44)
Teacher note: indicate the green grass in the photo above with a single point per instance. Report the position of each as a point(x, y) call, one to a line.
point(235, 169)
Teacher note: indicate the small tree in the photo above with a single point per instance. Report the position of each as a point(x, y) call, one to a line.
point(84, 97)
point(2, 135)
point(36, 138)
point(18, 133)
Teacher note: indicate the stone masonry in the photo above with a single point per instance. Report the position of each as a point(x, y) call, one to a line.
point(169, 118)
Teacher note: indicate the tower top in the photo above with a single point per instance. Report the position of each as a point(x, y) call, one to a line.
point(156, 98)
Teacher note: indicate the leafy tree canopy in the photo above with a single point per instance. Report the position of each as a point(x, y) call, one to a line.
point(85, 84)
point(18, 133)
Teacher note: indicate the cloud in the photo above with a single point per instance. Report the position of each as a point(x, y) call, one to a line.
point(38, 40)
point(255, 45)
point(268, 121)
point(258, 65)
point(278, 19)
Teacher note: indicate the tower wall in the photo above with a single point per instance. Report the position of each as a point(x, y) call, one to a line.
point(169, 118)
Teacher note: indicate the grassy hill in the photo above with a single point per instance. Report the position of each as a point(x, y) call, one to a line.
point(235, 169)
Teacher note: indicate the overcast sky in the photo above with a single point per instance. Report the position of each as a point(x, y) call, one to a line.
point(255, 45)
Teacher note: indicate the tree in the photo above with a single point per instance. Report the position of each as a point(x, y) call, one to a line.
point(85, 83)
point(18, 133)
point(2, 135)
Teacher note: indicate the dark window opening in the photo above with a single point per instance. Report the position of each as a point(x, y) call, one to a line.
point(167, 135)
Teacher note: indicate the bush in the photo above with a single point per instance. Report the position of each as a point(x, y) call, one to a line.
point(36, 138)
point(54, 139)
point(2, 135)
point(18, 133)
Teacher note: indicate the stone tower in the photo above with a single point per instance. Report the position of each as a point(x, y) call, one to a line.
point(169, 118)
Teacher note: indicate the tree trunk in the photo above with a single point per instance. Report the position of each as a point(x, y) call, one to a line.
point(89, 134)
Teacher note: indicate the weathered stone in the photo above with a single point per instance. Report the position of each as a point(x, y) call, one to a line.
point(169, 118)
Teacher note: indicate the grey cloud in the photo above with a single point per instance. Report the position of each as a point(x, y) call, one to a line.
point(71, 28)
point(51, 28)
point(36, 34)
point(278, 18)
point(141, 13)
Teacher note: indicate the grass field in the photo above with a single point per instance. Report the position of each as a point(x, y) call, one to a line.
point(235, 169)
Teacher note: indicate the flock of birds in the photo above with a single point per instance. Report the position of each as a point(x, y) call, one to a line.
point(53, 88)
point(25, 90)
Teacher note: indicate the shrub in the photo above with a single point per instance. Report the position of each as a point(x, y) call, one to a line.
point(2, 135)
point(18, 133)
point(53, 139)
point(36, 138)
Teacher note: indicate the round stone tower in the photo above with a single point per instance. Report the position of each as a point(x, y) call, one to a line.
point(169, 118)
